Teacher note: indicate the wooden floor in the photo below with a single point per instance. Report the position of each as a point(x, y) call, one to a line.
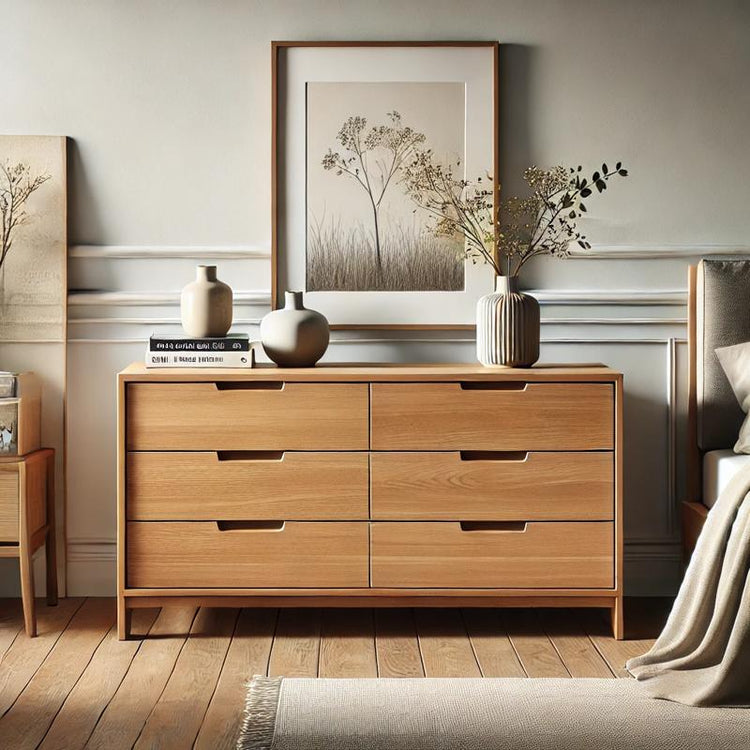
point(77, 686)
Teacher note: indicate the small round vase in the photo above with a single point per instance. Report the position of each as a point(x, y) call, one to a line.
point(507, 326)
point(206, 305)
point(294, 336)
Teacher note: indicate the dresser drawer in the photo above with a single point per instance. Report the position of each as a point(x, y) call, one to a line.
point(454, 555)
point(204, 554)
point(9, 503)
point(247, 415)
point(246, 486)
point(496, 486)
point(502, 416)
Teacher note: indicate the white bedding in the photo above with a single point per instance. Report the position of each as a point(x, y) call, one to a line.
point(718, 468)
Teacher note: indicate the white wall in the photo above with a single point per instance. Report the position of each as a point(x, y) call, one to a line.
point(168, 105)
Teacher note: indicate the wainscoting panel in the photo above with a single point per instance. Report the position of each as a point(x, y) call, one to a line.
point(120, 295)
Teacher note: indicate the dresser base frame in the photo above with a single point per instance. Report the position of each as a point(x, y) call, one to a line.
point(143, 598)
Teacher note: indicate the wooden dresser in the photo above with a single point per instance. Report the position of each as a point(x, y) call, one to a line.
point(380, 485)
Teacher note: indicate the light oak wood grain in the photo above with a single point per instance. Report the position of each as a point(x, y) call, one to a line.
point(25, 724)
point(23, 658)
point(296, 646)
point(170, 486)
point(187, 554)
point(494, 487)
point(492, 647)
point(535, 650)
point(11, 624)
point(247, 656)
point(396, 644)
point(445, 416)
point(439, 554)
point(347, 644)
point(201, 416)
point(575, 648)
point(122, 721)
point(89, 697)
point(180, 709)
point(444, 644)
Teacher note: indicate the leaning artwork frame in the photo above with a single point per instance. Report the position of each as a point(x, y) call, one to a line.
point(349, 119)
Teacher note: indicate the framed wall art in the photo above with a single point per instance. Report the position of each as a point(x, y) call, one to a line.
point(350, 122)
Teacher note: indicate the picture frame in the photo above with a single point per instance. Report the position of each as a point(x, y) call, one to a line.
point(360, 269)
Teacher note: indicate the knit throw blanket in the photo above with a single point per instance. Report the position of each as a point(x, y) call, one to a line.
point(702, 658)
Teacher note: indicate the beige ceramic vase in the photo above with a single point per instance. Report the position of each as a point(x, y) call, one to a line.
point(206, 305)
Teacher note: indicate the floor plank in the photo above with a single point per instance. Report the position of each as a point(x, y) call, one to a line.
point(122, 721)
point(296, 645)
point(444, 644)
point(27, 721)
point(179, 712)
point(493, 649)
point(26, 655)
point(396, 644)
point(248, 655)
point(347, 644)
point(535, 650)
point(11, 623)
point(84, 705)
point(578, 653)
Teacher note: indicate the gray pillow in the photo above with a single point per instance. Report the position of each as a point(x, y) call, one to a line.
point(735, 361)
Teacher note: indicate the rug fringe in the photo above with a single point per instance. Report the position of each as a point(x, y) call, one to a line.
point(260, 713)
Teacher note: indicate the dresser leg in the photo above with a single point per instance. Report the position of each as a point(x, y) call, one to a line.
point(124, 616)
point(51, 543)
point(618, 619)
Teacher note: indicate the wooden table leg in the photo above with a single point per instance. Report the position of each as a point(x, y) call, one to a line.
point(51, 541)
point(25, 557)
point(124, 617)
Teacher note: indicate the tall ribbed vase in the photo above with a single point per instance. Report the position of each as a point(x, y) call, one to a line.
point(507, 326)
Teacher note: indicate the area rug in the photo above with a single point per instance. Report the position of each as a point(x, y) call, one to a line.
point(479, 714)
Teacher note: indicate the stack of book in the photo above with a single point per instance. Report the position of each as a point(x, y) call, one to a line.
point(232, 350)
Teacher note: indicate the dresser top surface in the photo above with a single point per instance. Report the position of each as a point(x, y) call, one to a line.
point(138, 372)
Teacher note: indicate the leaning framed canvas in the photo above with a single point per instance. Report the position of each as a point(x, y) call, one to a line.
point(351, 124)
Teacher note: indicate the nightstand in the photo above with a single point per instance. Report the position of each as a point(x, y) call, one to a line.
point(27, 521)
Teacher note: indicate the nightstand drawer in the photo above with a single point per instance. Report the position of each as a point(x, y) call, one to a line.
point(234, 554)
point(247, 415)
point(493, 486)
point(246, 486)
point(502, 416)
point(477, 555)
point(9, 503)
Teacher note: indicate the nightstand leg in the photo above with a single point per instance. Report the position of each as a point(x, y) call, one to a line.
point(27, 587)
point(124, 616)
point(51, 541)
point(618, 619)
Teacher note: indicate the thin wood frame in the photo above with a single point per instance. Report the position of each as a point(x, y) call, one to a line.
point(276, 48)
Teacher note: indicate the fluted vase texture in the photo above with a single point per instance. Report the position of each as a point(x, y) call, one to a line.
point(507, 326)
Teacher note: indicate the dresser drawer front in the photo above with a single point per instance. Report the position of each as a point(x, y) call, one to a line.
point(493, 486)
point(9, 505)
point(532, 417)
point(246, 486)
point(201, 555)
point(575, 555)
point(247, 416)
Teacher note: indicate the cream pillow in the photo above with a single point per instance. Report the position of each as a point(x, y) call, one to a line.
point(735, 360)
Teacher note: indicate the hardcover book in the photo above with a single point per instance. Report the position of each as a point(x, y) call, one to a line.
point(232, 342)
point(200, 358)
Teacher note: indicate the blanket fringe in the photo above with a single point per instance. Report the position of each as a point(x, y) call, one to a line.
point(260, 713)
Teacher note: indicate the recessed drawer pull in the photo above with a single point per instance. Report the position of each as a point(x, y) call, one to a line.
point(249, 385)
point(518, 456)
point(250, 525)
point(500, 385)
point(505, 526)
point(250, 455)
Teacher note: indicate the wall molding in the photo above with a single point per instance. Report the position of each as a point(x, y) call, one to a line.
point(648, 252)
point(80, 298)
point(167, 252)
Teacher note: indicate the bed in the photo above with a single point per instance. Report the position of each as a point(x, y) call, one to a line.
point(718, 315)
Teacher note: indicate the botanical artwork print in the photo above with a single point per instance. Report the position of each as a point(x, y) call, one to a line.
point(33, 245)
point(365, 232)
point(9, 426)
